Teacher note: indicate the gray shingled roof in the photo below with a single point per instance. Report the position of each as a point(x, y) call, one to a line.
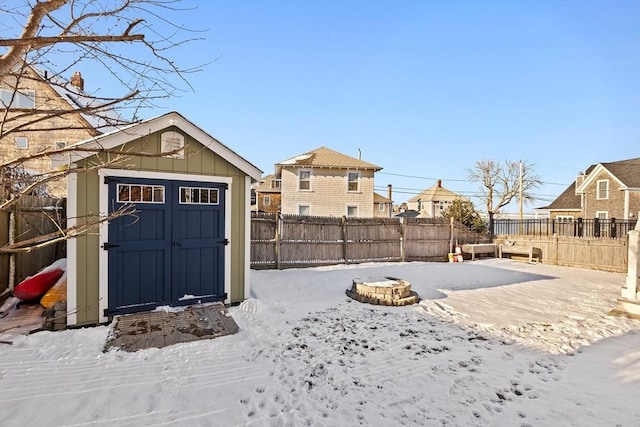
point(265, 185)
point(377, 198)
point(436, 193)
point(627, 171)
point(568, 200)
point(325, 157)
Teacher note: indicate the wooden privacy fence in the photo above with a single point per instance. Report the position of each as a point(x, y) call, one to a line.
point(281, 241)
point(606, 254)
point(30, 217)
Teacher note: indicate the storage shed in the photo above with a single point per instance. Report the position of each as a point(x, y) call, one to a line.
point(187, 240)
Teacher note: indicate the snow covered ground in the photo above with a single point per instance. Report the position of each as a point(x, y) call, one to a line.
point(493, 343)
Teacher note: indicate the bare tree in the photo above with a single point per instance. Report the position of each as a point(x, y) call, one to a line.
point(129, 41)
point(503, 182)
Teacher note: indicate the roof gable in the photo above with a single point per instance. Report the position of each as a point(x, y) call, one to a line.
point(326, 158)
point(105, 118)
point(435, 193)
point(132, 132)
point(625, 172)
point(377, 198)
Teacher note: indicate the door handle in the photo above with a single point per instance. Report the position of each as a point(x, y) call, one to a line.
point(177, 244)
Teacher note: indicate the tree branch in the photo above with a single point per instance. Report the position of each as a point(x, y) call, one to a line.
point(46, 41)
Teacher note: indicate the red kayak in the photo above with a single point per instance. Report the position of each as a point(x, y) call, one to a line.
point(36, 286)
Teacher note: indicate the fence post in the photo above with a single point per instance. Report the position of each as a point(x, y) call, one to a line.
point(596, 227)
point(278, 238)
point(629, 300)
point(555, 249)
point(578, 227)
point(402, 239)
point(344, 239)
point(12, 256)
point(613, 232)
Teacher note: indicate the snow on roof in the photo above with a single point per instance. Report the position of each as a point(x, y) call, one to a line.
point(294, 160)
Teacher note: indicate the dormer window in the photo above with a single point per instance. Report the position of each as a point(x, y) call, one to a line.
point(171, 142)
point(603, 189)
point(25, 99)
point(275, 183)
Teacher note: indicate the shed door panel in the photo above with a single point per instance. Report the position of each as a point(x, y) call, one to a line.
point(199, 241)
point(171, 250)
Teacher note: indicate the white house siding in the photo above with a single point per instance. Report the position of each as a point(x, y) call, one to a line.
point(328, 195)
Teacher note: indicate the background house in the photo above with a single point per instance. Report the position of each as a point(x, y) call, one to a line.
point(268, 194)
point(189, 238)
point(605, 191)
point(322, 182)
point(382, 206)
point(432, 202)
point(38, 91)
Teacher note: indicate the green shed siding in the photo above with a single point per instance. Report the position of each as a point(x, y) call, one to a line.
point(197, 161)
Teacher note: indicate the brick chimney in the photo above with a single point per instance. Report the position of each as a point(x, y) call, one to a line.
point(77, 80)
point(439, 183)
point(579, 180)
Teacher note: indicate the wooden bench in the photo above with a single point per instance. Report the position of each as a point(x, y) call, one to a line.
point(479, 248)
point(518, 250)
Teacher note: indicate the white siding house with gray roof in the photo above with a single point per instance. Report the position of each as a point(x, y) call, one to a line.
point(324, 182)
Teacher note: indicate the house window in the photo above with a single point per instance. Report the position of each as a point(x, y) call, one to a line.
point(198, 196)
point(171, 142)
point(565, 218)
point(59, 145)
point(441, 205)
point(383, 207)
point(602, 214)
point(275, 183)
point(603, 189)
point(128, 193)
point(304, 210)
point(21, 99)
point(266, 200)
point(22, 142)
point(352, 211)
point(304, 180)
point(353, 181)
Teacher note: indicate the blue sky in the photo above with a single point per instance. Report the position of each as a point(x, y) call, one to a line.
point(423, 88)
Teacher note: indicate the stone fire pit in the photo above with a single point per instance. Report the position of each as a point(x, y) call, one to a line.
point(384, 291)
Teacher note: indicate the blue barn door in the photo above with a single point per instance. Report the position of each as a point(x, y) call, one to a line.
point(170, 251)
point(198, 243)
